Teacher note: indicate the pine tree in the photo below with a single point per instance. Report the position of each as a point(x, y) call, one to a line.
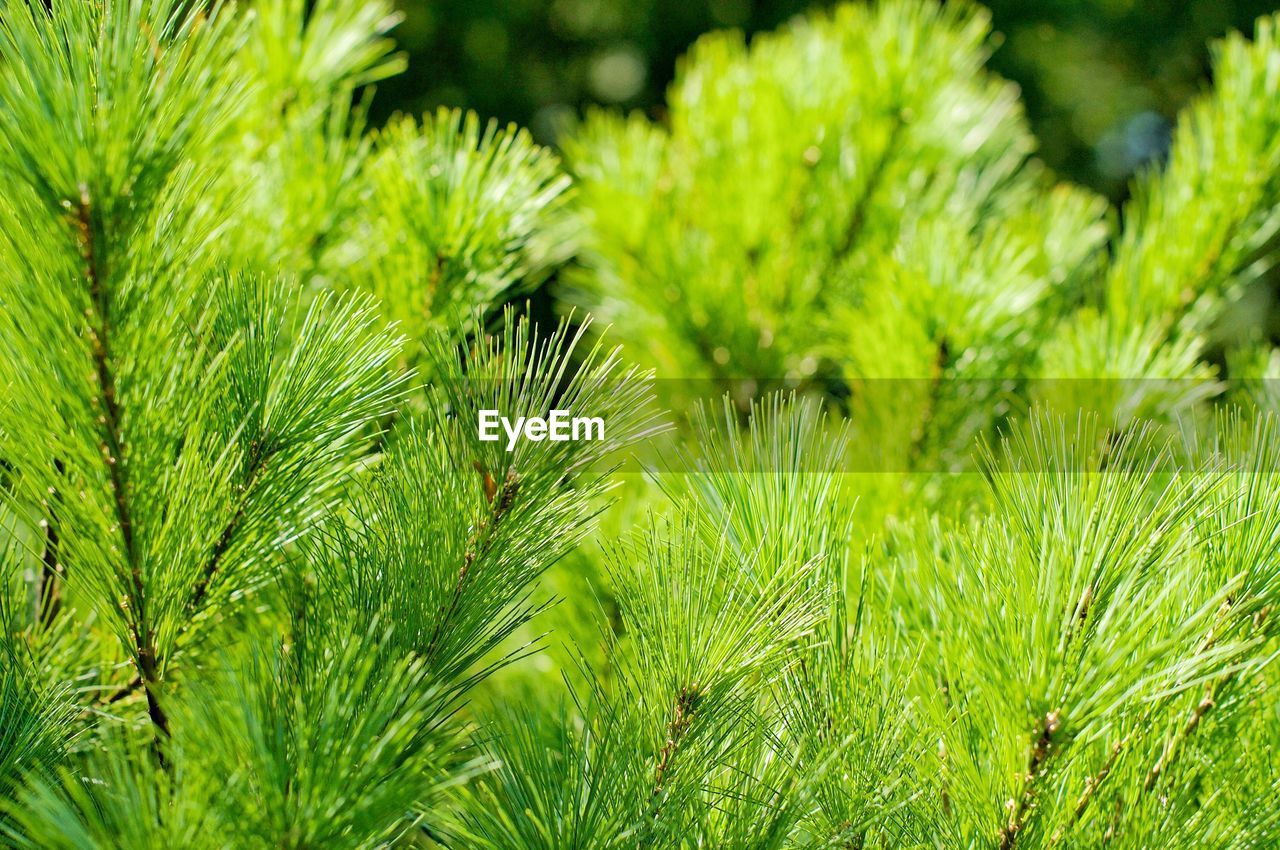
point(262, 582)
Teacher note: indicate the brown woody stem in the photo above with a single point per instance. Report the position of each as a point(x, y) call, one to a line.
point(112, 449)
point(681, 719)
point(1021, 810)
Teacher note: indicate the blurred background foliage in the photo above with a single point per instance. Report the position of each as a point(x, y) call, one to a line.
point(1101, 79)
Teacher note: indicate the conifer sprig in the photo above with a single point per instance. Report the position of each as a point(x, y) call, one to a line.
point(263, 584)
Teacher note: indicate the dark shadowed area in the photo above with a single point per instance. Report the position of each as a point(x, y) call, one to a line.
point(1102, 79)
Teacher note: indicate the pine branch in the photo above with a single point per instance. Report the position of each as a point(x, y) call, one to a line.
point(937, 373)
point(126, 691)
point(682, 714)
point(49, 597)
point(1091, 786)
point(258, 462)
point(1170, 752)
point(100, 337)
point(112, 449)
point(858, 218)
point(481, 541)
point(1021, 810)
point(210, 568)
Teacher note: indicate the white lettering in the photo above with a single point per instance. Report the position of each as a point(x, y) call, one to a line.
point(588, 424)
point(560, 426)
point(513, 431)
point(488, 426)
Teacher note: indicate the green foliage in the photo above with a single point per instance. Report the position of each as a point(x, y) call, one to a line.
point(846, 201)
point(262, 583)
point(1026, 676)
point(456, 215)
point(878, 234)
point(213, 542)
point(1198, 235)
point(38, 717)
